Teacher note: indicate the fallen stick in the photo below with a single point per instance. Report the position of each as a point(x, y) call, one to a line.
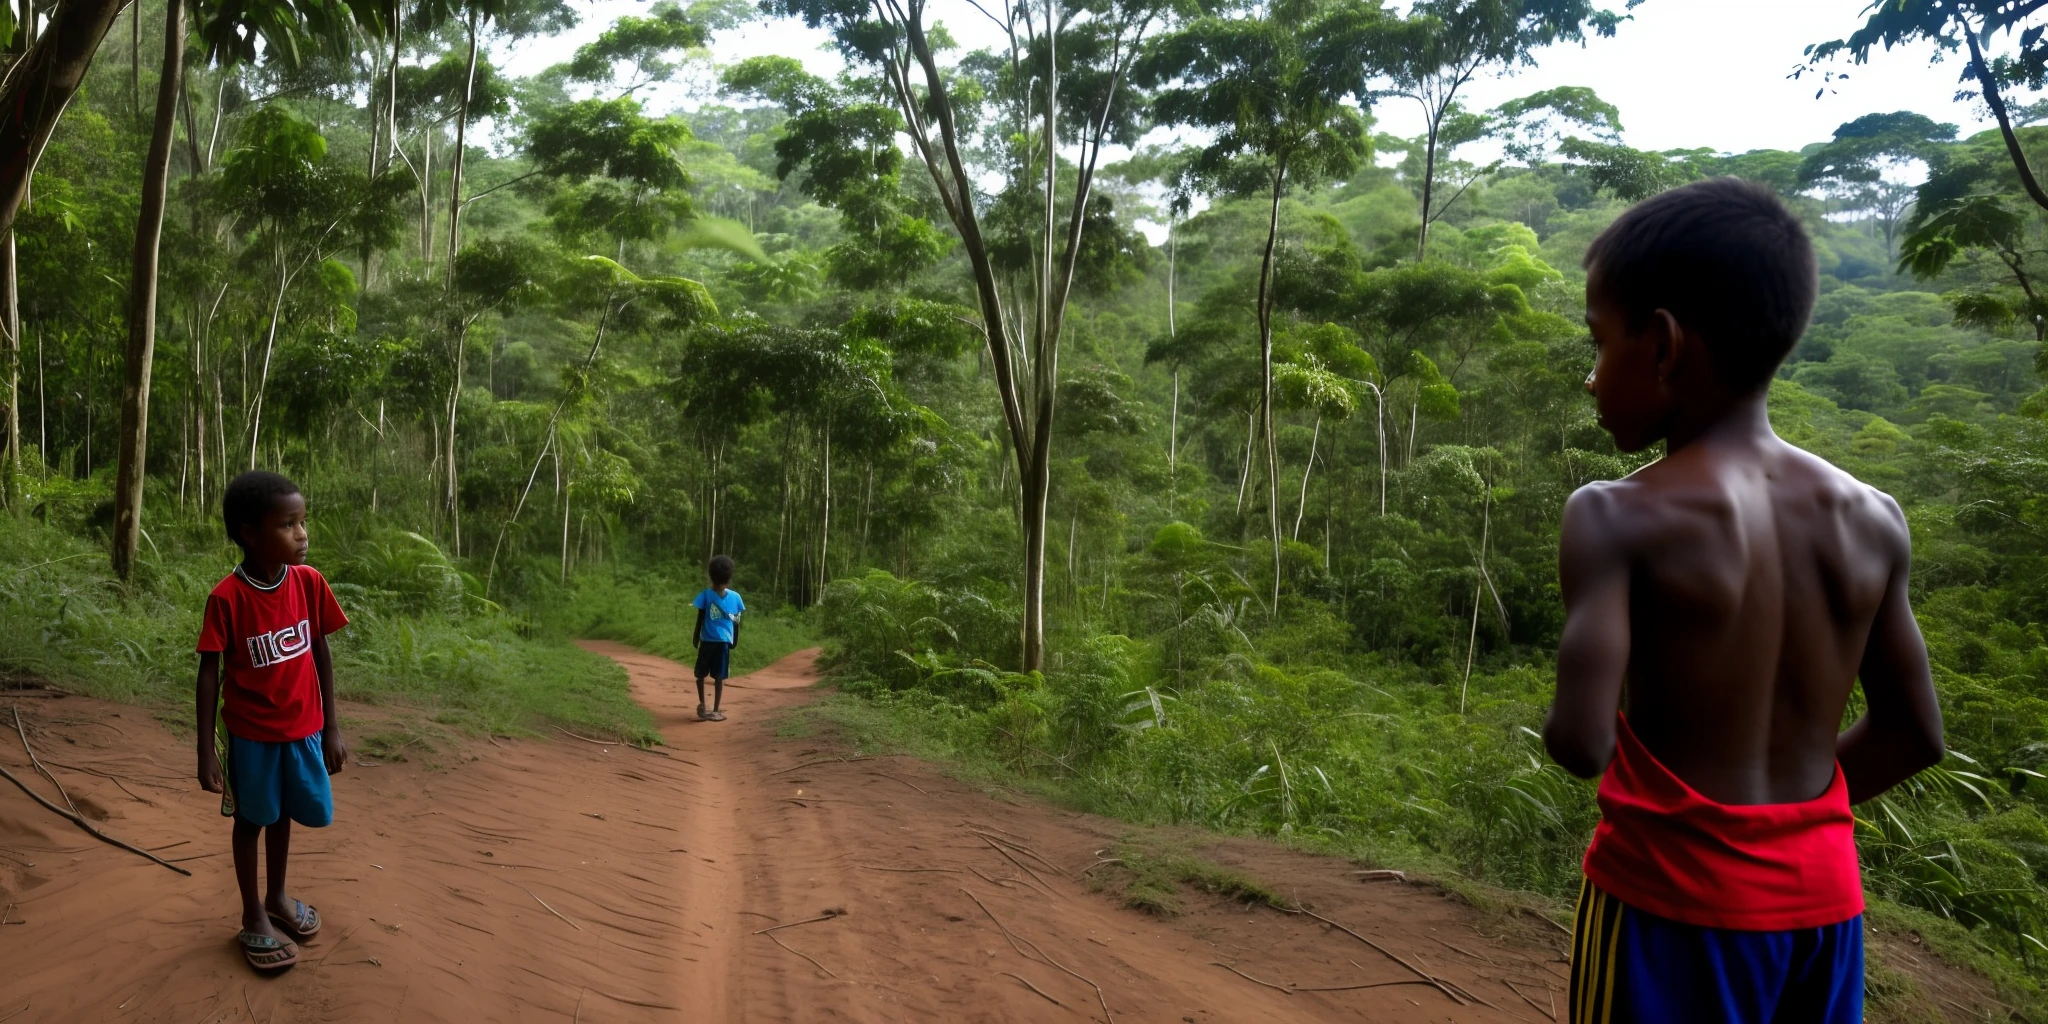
point(1015, 938)
point(986, 877)
point(807, 764)
point(1370, 984)
point(1027, 868)
point(1380, 875)
point(906, 782)
point(807, 956)
point(1384, 951)
point(17, 1013)
point(81, 823)
point(37, 762)
point(634, 1002)
point(826, 916)
point(247, 1003)
point(116, 779)
point(878, 867)
point(1021, 848)
point(1104, 862)
point(1533, 1004)
point(586, 739)
point(551, 910)
point(1034, 988)
point(1256, 981)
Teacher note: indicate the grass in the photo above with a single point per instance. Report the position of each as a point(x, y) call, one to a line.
point(1146, 871)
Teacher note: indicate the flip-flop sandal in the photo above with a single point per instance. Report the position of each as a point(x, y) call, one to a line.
point(704, 715)
point(305, 927)
point(716, 716)
point(266, 953)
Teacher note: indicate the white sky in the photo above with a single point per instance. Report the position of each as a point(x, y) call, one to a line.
point(1685, 73)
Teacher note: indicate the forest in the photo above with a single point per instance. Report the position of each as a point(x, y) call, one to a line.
point(1131, 417)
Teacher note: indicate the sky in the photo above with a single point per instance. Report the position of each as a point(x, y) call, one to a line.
point(1685, 73)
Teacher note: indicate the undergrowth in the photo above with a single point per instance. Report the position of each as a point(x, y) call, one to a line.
point(1237, 725)
point(422, 643)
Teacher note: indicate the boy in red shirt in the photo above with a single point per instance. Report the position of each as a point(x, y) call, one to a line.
point(266, 625)
point(1720, 605)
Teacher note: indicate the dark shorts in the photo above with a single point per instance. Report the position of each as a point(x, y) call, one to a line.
point(1630, 966)
point(268, 781)
point(714, 658)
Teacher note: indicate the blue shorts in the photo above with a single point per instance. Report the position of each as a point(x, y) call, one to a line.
point(714, 659)
point(1630, 966)
point(268, 781)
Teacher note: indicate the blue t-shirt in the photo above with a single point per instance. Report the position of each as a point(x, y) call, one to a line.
point(720, 613)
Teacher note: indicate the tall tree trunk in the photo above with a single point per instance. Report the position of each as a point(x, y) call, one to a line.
point(461, 144)
point(1266, 379)
point(1478, 591)
point(263, 382)
point(1302, 508)
point(10, 370)
point(1428, 188)
point(36, 91)
point(149, 230)
point(1173, 422)
point(824, 523)
point(135, 59)
point(454, 495)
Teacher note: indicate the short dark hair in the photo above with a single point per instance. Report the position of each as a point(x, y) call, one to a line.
point(720, 570)
point(1727, 258)
point(250, 497)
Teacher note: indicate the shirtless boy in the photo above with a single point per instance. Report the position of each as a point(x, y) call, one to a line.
point(1721, 603)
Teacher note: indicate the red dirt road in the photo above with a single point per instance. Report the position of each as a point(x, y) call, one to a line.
point(579, 881)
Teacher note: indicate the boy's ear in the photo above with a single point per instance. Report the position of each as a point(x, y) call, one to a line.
point(1672, 344)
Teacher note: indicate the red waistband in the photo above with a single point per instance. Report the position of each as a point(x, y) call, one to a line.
point(1664, 848)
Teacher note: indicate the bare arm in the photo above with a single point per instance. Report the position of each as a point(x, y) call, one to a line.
point(332, 749)
point(1900, 731)
point(209, 699)
point(1592, 655)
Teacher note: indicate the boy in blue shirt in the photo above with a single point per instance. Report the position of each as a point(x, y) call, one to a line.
point(718, 632)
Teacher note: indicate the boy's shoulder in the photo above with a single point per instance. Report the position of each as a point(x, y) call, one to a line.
point(1700, 490)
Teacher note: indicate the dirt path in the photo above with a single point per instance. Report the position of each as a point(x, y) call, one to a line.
point(581, 881)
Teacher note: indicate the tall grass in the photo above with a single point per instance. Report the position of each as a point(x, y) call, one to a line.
point(1230, 723)
point(421, 641)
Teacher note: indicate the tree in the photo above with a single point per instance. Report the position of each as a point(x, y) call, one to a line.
point(302, 208)
point(231, 27)
point(1953, 25)
point(40, 85)
point(1854, 167)
point(1442, 45)
point(149, 227)
point(513, 18)
point(1086, 46)
point(1272, 88)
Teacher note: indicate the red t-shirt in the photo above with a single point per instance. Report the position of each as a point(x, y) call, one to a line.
point(269, 688)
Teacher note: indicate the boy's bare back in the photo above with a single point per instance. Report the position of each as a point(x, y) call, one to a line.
point(1753, 582)
point(1728, 596)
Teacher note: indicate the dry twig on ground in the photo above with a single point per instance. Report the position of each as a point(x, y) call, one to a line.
point(75, 817)
point(1041, 954)
point(552, 910)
